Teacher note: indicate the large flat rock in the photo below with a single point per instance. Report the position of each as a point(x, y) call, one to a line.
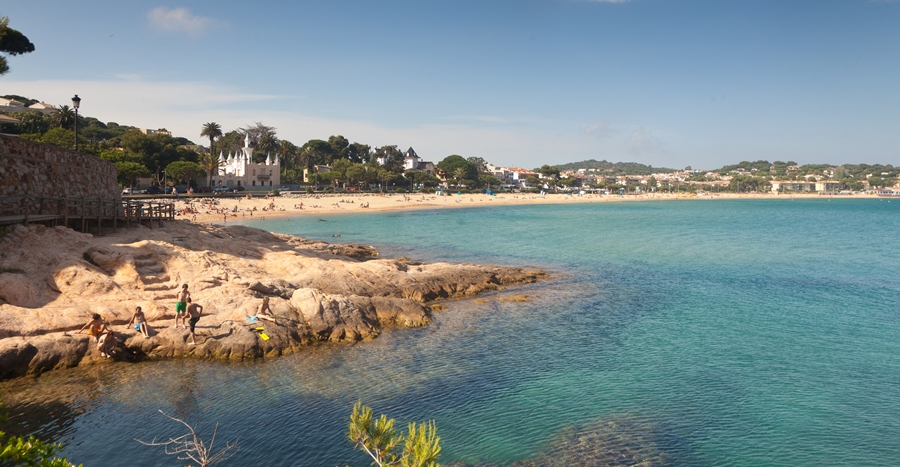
point(53, 279)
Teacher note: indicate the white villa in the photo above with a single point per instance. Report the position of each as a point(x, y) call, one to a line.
point(238, 169)
point(411, 162)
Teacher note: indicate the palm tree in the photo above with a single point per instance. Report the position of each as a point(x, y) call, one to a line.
point(306, 156)
point(267, 143)
point(63, 117)
point(459, 173)
point(287, 150)
point(210, 164)
point(212, 130)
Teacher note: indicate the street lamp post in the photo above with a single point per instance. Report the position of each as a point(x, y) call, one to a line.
point(76, 102)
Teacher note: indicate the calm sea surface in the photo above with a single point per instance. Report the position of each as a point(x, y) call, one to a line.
point(686, 333)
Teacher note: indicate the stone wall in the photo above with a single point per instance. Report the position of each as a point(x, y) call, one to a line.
point(28, 168)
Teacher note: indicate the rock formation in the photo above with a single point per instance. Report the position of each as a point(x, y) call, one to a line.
point(53, 279)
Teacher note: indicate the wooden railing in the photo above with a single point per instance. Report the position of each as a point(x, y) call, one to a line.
point(82, 211)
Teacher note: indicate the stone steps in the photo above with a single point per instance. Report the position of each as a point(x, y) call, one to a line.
point(152, 279)
point(150, 270)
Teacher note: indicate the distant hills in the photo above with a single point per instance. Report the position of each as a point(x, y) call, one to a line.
point(761, 167)
point(614, 168)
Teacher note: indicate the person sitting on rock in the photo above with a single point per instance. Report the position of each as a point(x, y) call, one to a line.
point(107, 344)
point(141, 321)
point(97, 325)
point(264, 312)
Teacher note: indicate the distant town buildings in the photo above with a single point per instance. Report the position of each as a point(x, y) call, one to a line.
point(161, 131)
point(12, 105)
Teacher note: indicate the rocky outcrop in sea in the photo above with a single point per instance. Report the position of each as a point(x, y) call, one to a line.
point(53, 279)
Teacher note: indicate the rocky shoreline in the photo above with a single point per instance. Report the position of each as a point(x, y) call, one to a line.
point(53, 279)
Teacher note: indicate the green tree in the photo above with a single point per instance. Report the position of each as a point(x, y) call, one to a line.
point(393, 158)
point(424, 179)
point(62, 138)
point(488, 180)
point(184, 171)
point(340, 167)
point(230, 142)
point(877, 182)
point(156, 151)
point(357, 173)
point(459, 168)
point(12, 42)
point(128, 172)
point(33, 121)
point(548, 171)
point(418, 447)
point(339, 146)
point(119, 155)
point(479, 163)
point(567, 181)
point(358, 152)
point(318, 152)
point(332, 176)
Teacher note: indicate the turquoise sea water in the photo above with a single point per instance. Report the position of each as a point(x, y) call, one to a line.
point(696, 333)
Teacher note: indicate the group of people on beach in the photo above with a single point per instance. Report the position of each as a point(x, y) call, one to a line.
point(186, 311)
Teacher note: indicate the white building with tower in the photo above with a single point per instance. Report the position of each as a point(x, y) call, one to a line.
point(238, 169)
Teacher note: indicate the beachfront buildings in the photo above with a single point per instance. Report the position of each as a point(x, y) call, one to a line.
point(238, 169)
point(518, 175)
point(829, 186)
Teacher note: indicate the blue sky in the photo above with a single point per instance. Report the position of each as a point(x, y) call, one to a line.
point(518, 82)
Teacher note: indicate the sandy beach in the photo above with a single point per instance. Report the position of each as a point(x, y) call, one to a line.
point(223, 210)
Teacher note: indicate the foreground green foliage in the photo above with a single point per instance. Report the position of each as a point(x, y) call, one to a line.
point(32, 452)
point(418, 447)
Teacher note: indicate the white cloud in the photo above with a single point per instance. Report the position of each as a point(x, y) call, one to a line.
point(179, 20)
point(642, 141)
point(183, 107)
point(600, 129)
